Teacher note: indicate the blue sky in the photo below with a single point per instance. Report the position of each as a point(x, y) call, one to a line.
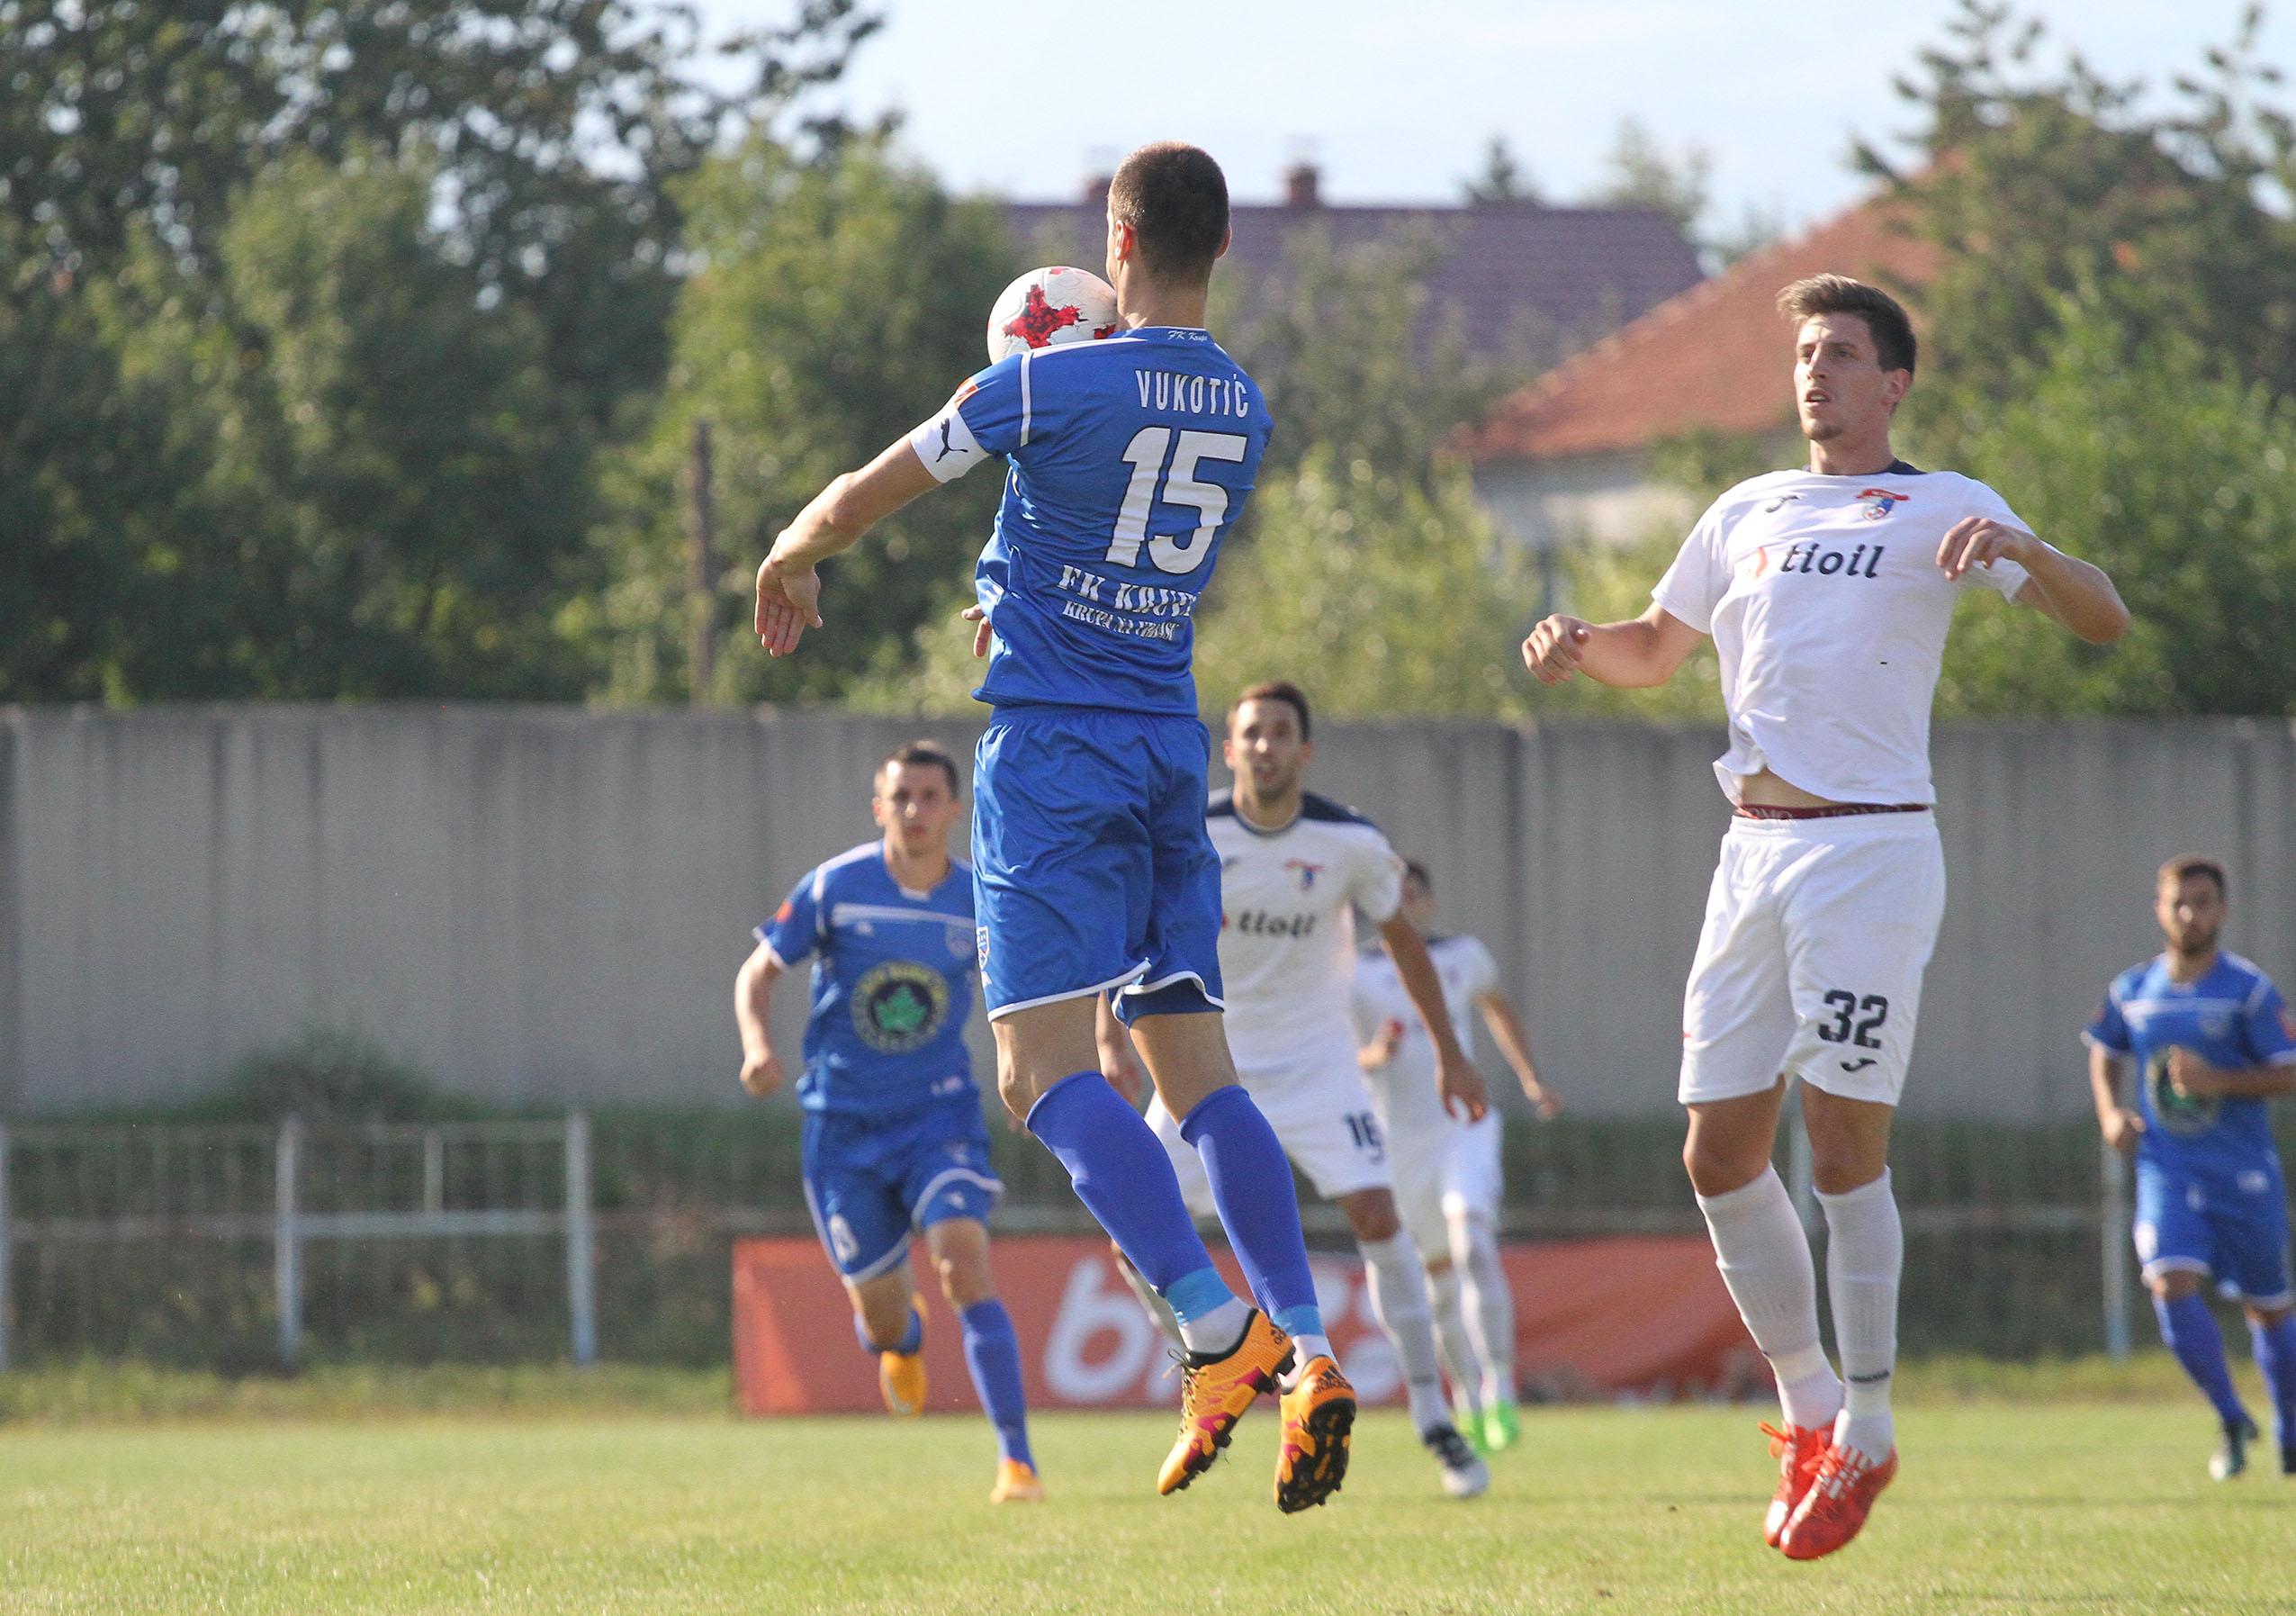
point(1396, 102)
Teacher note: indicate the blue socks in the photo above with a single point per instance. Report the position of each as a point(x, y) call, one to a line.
point(1125, 1180)
point(2190, 1330)
point(992, 1354)
point(911, 1339)
point(2275, 1347)
point(1251, 1184)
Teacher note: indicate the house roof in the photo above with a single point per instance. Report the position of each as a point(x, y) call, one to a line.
point(1539, 282)
point(1713, 358)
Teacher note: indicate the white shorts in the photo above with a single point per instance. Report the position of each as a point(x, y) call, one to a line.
point(1322, 1115)
point(1444, 1170)
point(1810, 962)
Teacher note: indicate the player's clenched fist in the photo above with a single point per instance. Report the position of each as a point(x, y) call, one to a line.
point(761, 1074)
point(1980, 541)
point(1556, 648)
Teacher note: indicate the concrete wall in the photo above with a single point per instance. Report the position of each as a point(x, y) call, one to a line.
point(544, 905)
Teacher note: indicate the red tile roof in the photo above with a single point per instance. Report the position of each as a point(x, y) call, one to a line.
point(1528, 283)
point(1715, 358)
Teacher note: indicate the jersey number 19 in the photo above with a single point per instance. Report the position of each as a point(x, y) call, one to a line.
point(1172, 553)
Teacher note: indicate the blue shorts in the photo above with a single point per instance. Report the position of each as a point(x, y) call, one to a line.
point(2236, 1229)
point(870, 1180)
point(1092, 867)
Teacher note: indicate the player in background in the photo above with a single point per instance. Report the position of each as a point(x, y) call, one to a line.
point(2216, 1046)
point(1828, 592)
point(1447, 1174)
point(1092, 869)
point(893, 1138)
point(1294, 867)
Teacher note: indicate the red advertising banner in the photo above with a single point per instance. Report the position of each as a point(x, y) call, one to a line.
point(1642, 1316)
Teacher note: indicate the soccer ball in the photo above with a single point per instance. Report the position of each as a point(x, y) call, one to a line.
point(1051, 305)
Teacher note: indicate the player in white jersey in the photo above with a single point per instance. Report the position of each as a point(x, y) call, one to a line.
point(1828, 594)
point(1294, 867)
point(1447, 1173)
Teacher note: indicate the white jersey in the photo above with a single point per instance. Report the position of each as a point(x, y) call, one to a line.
point(1406, 1084)
point(1287, 935)
point(1829, 612)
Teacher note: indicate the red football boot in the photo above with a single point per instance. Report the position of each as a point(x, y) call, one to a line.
point(1841, 1497)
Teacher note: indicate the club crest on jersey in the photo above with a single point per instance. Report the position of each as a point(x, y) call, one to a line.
point(1879, 502)
point(1306, 871)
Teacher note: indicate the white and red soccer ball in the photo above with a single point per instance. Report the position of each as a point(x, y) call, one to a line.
point(1049, 306)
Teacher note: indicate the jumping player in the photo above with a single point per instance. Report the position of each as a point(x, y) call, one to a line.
point(2216, 1045)
point(892, 1133)
point(1294, 867)
point(1447, 1175)
point(1828, 594)
point(1092, 869)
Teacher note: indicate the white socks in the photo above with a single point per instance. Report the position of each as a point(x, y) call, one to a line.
point(1397, 1288)
point(1459, 1355)
point(1865, 1255)
point(1764, 1256)
point(1491, 1303)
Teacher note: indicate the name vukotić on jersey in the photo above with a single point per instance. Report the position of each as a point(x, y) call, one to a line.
point(892, 984)
point(1287, 938)
point(2232, 1018)
point(1829, 616)
point(1130, 457)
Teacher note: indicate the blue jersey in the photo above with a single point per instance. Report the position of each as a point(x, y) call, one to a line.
point(2232, 1017)
point(892, 985)
point(1131, 458)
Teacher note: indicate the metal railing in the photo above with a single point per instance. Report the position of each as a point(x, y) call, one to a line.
point(196, 1182)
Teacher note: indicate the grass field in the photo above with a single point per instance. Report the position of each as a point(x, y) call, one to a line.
point(2002, 1507)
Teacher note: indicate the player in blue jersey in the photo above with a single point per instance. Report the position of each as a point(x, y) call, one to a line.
point(2213, 1045)
point(1092, 868)
point(893, 1138)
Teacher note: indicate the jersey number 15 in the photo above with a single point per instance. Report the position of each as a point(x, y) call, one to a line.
point(1172, 552)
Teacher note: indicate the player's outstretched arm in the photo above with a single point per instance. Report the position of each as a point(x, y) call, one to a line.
point(2072, 594)
point(1632, 656)
point(2118, 1124)
point(1455, 1076)
point(1515, 1045)
point(753, 1014)
point(789, 590)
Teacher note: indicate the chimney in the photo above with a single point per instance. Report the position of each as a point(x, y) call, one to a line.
point(1301, 183)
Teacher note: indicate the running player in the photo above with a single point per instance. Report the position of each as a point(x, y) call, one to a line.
point(1294, 867)
point(1828, 594)
point(893, 1138)
point(1092, 869)
point(2216, 1045)
point(1447, 1173)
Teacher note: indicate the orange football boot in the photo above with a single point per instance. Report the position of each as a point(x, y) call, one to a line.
point(1840, 1495)
point(1215, 1393)
point(900, 1376)
point(1797, 1448)
point(1319, 1413)
point(1015, 1483)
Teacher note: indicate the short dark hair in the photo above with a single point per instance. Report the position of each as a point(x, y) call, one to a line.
point(1274, 690)
point(927, 754)
point(2186, 865)
point(1885, 316)
point(1417, 871)
point(1175, 199)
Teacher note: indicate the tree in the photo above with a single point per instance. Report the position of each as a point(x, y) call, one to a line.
point(1640, 175)
point(833, 306)
point(1502, 180)
point(390, 492)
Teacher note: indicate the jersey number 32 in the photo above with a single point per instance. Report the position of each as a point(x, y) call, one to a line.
point(1147, 453)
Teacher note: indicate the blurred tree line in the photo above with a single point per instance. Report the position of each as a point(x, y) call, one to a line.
point(361, 350)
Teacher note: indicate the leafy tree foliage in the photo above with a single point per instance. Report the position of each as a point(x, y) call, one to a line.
point(1503, 177)
point(833, 306)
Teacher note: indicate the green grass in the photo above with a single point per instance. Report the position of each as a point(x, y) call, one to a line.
point(2002, 1507)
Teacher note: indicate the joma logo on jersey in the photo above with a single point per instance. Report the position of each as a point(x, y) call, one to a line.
point(1804, 556)
point(1259, 923)
point(1306, 871)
